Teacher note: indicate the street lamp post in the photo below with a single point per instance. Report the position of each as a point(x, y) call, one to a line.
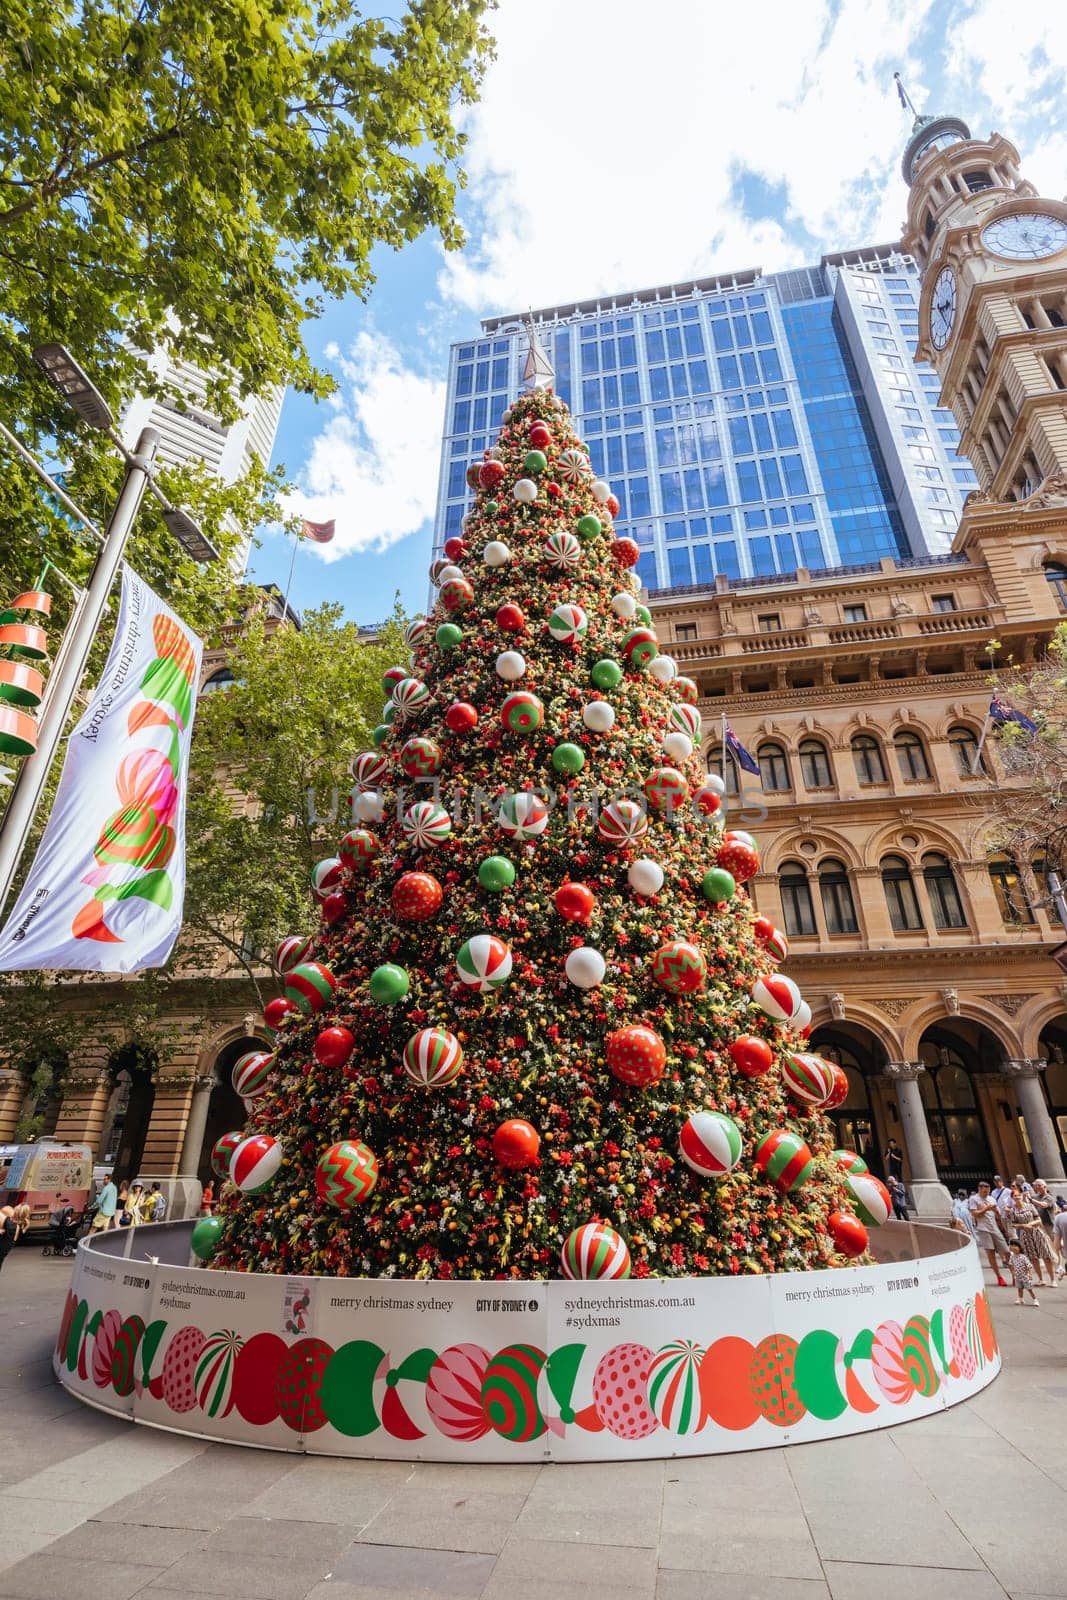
point(66, 675)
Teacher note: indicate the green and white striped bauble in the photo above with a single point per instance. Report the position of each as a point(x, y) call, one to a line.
point(567, 623)
point(595, 1251)
point(563, 550)
point(685, 719)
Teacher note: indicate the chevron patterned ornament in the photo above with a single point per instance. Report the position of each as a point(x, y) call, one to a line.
point(666, 789)
point(484, 962)
point(433, 1057)
point(359, 849)
point(567, 624)
point(595, 1251)
point(222, 1153)
point(522, 712)
point(456, 594)
point(809, 1079)
point(563, 550)
point(369, 770)
point(310, 987)
point(345, 1174)
point(710, 1143)
point(427, 824)
point(291, 952)
point(523, 815)
point(622, 822)
point(251, 1073)
point(783, 1157)
point(679, 967)
point(420, 758)
point(686, 690)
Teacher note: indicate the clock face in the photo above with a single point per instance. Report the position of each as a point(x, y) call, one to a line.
point(943, 308)
point(1026, 236)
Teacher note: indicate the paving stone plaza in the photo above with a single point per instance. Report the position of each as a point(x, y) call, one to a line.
point(968, 1505)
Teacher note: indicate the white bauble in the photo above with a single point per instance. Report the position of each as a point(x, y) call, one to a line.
point(369, 806)
point(496, 553)
point(510, 665)
point(663, 668)
point(585, 967)
point(678, 746)
point(525, 491)
point(635, 583)
point(802, 1019)
point(624, 606)
point(713, 782)
point(645, 876)
point(598, 716)
point(448, 572)
point(507, 415)
point(495, 454)
point(600, 490)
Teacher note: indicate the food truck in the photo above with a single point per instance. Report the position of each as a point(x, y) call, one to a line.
point(46, 1176)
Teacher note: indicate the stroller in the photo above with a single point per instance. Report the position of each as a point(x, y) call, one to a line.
point(63, 1239)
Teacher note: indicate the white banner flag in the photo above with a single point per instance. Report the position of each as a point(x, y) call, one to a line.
point(106, 888)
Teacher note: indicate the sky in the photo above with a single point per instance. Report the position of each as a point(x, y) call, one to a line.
point(618, 145)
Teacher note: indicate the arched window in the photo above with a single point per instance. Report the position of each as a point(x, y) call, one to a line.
point(946, 908)
point(867, 755)
point(900, 896)
point(911, 754)
point(222, 679)
point(1056, 577)
point(773, 768)
point(1008, 887)
point(728, 772)
point(839, 912)
point(964, 742)
point(815, 765)
point(797, 907)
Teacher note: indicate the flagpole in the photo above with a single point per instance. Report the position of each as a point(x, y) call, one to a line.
point(722, 774)
point(289, 580)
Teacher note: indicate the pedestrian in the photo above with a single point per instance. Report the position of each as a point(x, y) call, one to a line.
point(894, 1161)
point(1023, 1184)
point(1044, 1204)
point(1022, 1272)
point(987, 1228)
point(962, 1218)
point(207, 1199)
point(8, 1232)
point(1033, 1240)
point(107, 1203)
point(1001, 1193)
point(899, 1196)
point(22, 1220)
point(124, 1205)
point(155, 1206)
point(135, 1204)
point(1059, 1230)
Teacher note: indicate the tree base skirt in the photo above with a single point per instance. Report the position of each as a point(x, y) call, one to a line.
point(414, 1370)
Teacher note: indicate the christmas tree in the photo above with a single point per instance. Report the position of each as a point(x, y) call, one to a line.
point(541, 1030)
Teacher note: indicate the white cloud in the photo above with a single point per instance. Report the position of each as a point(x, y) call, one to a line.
point(604, 151)
point(373, 467)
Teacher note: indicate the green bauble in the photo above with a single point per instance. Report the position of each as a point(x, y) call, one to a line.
point(568, 758)
point(589, 527)
point(643, 614)
point(388, 984)
point(718, 884)
point(606, 674)
point(380, 734)
point(389, 715)
point(206, 1238)
point(496, 872)
point(536, 461)
point(448, 635)
point(492, 507)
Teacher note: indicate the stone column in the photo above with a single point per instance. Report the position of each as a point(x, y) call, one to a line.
point(928, 1194)
point(1044, 1146)
point(195, 1126)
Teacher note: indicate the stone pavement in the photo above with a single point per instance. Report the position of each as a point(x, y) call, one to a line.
point(970, 1505)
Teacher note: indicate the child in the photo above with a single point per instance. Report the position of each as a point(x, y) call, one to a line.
point(1022, 1271)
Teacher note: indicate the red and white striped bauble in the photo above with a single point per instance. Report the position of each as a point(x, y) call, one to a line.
point(808, 1078)
point(622, 822)
point(426, 824)
point(326, 876)
point(595, 1252)
point(255, 1162)
point(710, 1143)
point(563, 550)
point(484, 962)
point(251, 1073)
point(572, 466)
point(777, 996)
point(292, 951)
point(369, 770)
point(433, 1057)
point(523, 815)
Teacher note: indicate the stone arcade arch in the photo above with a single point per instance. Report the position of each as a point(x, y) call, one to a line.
point(226, 1110)
point(861, 1121)
point(132, 1074)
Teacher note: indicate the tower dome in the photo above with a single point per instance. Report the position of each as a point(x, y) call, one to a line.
point(931, 133)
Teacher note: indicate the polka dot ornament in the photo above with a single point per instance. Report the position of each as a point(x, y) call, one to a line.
point(636, 1055)
point(299, 1384)
point(772, 1380)
point(620, 1391)
point(178, 1378)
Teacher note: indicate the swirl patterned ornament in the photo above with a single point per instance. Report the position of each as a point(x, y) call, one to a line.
point(509, 1393)
point(622, 822)
point(427, 824)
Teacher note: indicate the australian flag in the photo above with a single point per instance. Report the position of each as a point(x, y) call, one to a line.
point(1000, 712)
point(743, 757)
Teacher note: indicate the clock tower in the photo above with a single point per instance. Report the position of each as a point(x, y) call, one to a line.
point(993, 310)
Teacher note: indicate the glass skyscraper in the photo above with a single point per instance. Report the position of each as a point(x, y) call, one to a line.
point(748, 424)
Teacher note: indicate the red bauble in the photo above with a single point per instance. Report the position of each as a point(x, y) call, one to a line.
point(636, 1055)
point(613, 505)
point(461, 717)
point(516, 1144)
point(276, 1011)
point(455, 548)
point(739, 859)
point(707, 802)
point(848, 1233)
point(333, 908)
point(540, 436)
point(626, 552)
point(575, 902)
point(763, 927)
point(840, 1094)
point(511, 618)
point(416, 897)
point(472, 474)
point(490, 474)
point(333, 1047)
point(752, 1055)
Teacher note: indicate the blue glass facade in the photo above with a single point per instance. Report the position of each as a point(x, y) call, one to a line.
point(731, 419)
